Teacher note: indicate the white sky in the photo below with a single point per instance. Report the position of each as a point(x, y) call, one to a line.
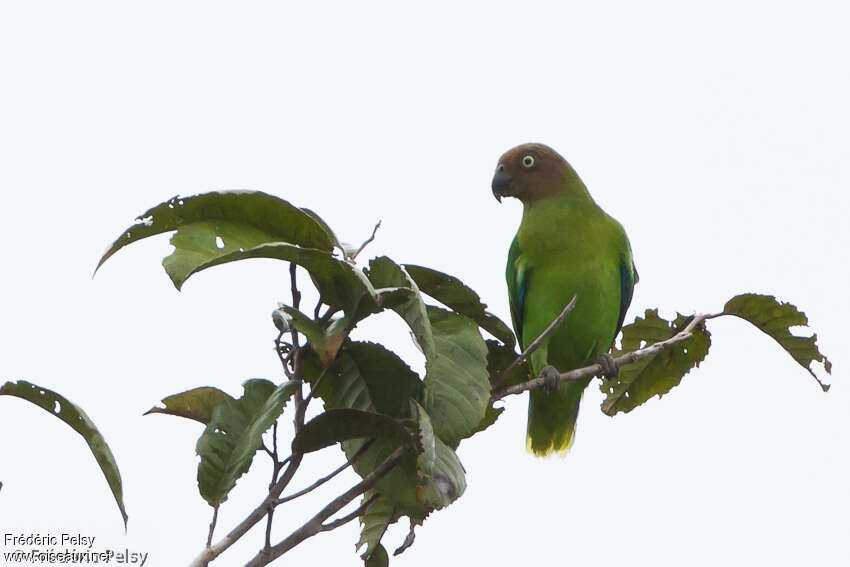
point(717, 136)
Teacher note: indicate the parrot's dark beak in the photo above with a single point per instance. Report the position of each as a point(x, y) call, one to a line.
point(501, 184)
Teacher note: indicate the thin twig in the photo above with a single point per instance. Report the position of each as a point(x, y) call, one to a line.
point(269, 452)
point(595, 369)
point(368, 240)
point(536, 343)
point(315, 385)
point(348, 517)
point(212, 526)
point(316, 524)
point(324, 479)
point(296, 295)
point(213, 551)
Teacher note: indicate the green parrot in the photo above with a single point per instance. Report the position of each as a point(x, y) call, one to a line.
point(566, 245)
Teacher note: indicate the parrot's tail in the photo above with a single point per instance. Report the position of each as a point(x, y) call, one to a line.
point(552, 418)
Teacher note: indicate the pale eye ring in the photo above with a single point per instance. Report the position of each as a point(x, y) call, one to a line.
point(527, 161)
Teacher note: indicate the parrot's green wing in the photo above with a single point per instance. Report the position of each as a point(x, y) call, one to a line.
point(517, 273)
point(628, 279)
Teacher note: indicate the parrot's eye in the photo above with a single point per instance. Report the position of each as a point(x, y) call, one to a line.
point(527, 161)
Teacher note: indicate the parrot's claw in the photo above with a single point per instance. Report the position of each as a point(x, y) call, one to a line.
point(609, 367)
point(551, 379)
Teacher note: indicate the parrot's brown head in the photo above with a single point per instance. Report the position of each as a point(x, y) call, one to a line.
point(530, 172)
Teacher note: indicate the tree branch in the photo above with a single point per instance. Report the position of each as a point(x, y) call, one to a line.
point(316, 524)
point(536, 343)
point(213, 551)
point(324, 479)
point(595, 369)
point(348, 517)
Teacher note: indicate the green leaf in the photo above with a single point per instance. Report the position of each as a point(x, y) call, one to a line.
point(240, 218)
point(369, 377)
point(400, 483)
point(75, 417)
point(197, 404)
point(448, 482)
point(375, 521)
point(454, 294)
point(775, 319)
point(233, 435)
point(500, 357)
point(335, 425)
point(457, 385)
point(340, 284)
point(654, 375)
point(384, 273)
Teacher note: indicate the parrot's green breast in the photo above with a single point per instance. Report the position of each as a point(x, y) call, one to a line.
point(565, 248)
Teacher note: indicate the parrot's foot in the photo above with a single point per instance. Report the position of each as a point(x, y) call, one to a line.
point(551, 379)
point(609, 367)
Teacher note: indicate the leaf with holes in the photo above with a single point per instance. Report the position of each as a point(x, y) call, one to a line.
point(239, 218)
point(452, 292)
point(58, 406)
point(234, 434)
point(335, 425)
point(457, 385)
point(654, 375)
point(776, 319)
point(197, 404)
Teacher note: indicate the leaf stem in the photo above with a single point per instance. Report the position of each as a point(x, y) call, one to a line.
point(212, 526)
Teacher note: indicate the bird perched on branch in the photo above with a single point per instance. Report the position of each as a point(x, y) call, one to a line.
point(566, 245)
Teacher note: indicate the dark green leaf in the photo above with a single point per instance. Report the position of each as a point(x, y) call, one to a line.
point(368, 377)
point(197, 404)
point(654, 375)
point(457, 385)
point(233, 435)
point(499, 358)
point(71, 414)
point(454, 294)
point(239, 218)
point(775, 319)
point(341, 284)
point(335, 425)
